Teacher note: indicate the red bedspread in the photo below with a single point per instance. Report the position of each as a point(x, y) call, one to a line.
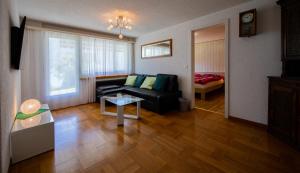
point(206, 78)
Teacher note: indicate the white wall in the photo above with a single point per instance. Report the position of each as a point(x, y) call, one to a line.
point(209, 56)
point(9, 80)
point(251, 60)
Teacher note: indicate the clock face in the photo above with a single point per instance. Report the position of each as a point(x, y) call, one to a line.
point(247, 23)
point(247, 18)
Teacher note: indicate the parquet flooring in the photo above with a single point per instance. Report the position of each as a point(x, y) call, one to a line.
point(195, 141)
point(215, 101)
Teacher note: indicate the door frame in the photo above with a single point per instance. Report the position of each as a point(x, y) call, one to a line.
point(226, 60)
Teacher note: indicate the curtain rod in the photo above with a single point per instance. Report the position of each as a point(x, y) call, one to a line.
point(77, 33)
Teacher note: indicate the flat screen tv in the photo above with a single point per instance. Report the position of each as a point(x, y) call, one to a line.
point(16, 44)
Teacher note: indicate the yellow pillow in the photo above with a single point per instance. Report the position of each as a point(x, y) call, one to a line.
point(148, 83)
point(130, 80)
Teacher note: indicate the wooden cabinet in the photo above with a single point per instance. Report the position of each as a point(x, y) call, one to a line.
point(284, 109)
point(290, 27)
point(284, 91)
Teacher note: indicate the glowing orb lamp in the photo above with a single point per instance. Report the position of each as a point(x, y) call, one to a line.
point(30, 106)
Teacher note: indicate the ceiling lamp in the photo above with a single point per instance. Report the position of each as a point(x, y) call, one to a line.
point(120, 23)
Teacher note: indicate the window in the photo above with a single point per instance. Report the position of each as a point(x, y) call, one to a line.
point(109, 57)
point(63, 73)
point(73, 57)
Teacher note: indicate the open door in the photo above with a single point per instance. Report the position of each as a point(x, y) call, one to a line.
point(209, 53)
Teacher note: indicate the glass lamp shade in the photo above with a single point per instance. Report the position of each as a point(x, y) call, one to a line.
point(30, 106)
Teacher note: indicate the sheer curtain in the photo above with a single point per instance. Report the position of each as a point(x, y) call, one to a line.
point(87, 70)
point(32, 66)
point(102, 57)
point(60, 69)
point(112, 57)
point(50, 68)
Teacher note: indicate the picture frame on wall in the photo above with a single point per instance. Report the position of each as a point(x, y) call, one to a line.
point(157, 49)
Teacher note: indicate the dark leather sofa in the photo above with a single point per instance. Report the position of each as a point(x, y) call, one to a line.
point(156, 101)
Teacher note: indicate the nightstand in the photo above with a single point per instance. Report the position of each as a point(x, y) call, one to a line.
point(32, 136)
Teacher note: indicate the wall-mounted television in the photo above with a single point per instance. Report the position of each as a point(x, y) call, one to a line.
point(17, 34)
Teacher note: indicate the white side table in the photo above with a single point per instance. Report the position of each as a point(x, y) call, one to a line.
point(32, 136)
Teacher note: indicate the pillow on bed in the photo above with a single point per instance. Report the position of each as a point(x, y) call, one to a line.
point(198, 75)
point(206, 78)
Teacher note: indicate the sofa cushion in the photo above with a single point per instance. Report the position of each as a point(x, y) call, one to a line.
point(172, 85)
point(160, 83)
point(142, 93)
point(148, 82)
point(130, 80)
point(139, 80)
point(113, 90)
point(106, 87)
point(151, 95)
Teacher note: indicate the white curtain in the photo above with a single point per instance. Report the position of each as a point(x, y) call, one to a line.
point(87, 70)
point(50, 76)
point(102, 57)
point(60, 69)
point(112, 57)
point(32, 66)
point(209, 56)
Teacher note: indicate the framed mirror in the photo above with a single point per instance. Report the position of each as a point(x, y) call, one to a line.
point(157, 49)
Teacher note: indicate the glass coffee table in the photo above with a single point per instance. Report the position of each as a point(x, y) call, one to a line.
point(121, 100)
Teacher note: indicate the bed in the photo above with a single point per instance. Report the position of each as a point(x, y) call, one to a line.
point(208, 82)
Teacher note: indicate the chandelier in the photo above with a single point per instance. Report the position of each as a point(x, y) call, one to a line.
point(120, 23)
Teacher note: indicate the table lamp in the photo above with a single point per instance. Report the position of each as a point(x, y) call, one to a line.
point(30, 108)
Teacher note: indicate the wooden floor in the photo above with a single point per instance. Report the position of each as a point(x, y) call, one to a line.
point(196, 141)
point(215, 101)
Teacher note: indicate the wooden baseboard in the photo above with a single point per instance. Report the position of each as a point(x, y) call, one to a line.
point(251, 123)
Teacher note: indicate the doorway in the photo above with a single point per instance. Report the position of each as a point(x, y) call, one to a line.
point(210, 68)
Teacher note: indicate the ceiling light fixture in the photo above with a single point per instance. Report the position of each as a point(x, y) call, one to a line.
point(120, 23)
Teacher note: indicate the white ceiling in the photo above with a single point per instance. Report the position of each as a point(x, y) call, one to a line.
point(147, 15)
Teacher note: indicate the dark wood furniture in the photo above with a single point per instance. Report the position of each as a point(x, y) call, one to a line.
point(284, 109)
point(290, 16)
point(284, 91)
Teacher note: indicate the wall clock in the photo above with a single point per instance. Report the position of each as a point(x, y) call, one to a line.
point(247, 23)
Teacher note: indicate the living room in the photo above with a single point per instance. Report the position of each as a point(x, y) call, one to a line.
point(108, 86)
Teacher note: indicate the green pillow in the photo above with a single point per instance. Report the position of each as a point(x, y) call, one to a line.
point(130, 80)
point(148, 83)
point(160, 83)
point(139, 80)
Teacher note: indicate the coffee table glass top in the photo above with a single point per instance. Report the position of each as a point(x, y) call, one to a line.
point(122, 99)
